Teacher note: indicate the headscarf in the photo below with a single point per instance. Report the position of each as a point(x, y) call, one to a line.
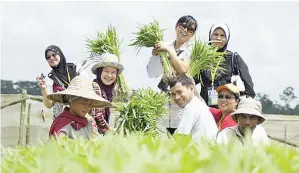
point(106, 90)
point(225, 28)
point(61, 69)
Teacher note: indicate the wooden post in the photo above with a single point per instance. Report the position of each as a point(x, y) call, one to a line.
point(28, 125)
point(22, 116)
point(285, 134)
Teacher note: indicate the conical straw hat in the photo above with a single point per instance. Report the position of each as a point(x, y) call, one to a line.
point(80, 86)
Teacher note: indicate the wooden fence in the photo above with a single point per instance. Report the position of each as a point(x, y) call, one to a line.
point(24, 98)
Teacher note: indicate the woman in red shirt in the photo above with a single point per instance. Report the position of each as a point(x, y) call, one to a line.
point(228, 99)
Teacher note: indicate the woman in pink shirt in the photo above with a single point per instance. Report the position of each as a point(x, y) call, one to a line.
point(228, 99)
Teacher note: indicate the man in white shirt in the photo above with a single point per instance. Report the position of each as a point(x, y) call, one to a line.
point(248, 116)
point(196, 119)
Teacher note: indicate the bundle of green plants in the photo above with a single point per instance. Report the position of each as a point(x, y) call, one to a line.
point(147, 36)
point(142, 113)
point(205, 57)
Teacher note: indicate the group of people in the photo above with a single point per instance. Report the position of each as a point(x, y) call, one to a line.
point(223, 111)
point(72, 95)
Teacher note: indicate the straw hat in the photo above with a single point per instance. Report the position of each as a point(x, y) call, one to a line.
point(107, 60)
point(231, 87)
point(249, 106)
point(80, 86)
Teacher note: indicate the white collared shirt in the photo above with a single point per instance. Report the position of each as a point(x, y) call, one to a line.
point(230, 134)
point(154, 66)
point(198, 121)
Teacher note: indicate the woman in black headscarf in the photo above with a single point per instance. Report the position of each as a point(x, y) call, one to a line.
point(219, 35)
point(62, 73)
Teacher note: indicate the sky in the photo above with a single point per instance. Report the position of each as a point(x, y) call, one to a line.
point(265, 34)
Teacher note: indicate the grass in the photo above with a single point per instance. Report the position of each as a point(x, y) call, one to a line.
point(136, 153)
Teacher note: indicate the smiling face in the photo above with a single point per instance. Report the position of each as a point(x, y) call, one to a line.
point(181, 94)
point(219, 37)
point(80, 107)
point(52, 58)
point(184, 32)
point(109, 75)
point(227, 101)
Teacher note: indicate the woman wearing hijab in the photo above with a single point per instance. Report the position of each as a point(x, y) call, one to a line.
point(61, 74)
point(106, 71)
point(219, 35)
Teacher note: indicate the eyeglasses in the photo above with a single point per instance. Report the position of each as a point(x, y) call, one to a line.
point(49, 57)
point(227, 97)
point(183, 26)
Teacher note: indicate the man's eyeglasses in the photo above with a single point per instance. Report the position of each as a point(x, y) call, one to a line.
point(49, 56)
point(183, 26)
point(227, 97)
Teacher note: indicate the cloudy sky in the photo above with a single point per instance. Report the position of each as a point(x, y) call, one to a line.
point(265, 34)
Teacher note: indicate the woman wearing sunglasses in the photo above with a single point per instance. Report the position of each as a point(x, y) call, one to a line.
point(61, 75)
point(235, 66)
point(228, 99)
point(179, 51)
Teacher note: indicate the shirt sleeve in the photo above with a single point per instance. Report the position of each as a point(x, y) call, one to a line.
point(260, 134)
point(245, 75)
point(49, 85)
point(216, 114)
point(66, 129)
point(154, 67)
point(222, 137)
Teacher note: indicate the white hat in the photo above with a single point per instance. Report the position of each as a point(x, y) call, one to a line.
point(107, 60)
point(249, 106)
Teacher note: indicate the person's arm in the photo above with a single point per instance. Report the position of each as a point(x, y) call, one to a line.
point(180, 66)
point(222, 137)
point(98, 115)
point(48, 103)
point(245, 76)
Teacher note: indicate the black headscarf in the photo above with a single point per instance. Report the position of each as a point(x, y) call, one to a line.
point(225, 28)
point(61, 69)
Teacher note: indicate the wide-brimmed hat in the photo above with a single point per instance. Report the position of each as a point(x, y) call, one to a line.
point(107, 60)
point(80, 86)
point(231, 87)
point(249, 106)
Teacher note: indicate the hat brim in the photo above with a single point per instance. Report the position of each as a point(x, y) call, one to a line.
point(248, 112)
point(97, 101)
point(107, 64)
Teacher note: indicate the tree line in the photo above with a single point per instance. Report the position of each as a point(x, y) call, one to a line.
point(269, 106)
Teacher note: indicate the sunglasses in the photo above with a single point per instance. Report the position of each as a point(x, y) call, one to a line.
point(184, 26)
point(49, 56)
point(227, 97)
